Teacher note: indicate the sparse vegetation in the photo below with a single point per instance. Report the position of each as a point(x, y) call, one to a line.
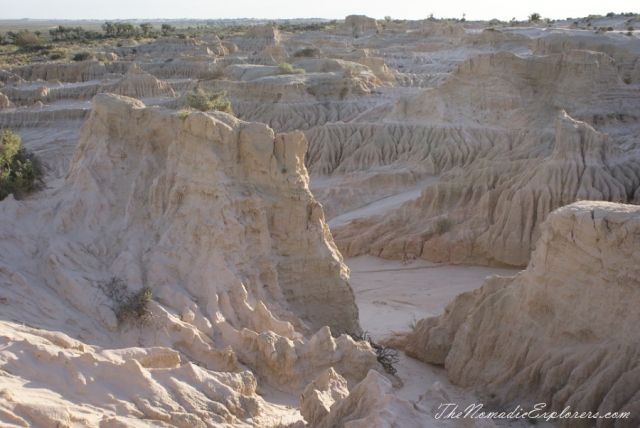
point(59, 54)
point(129, 307)
point(26, 39)
point(350, 69)
point(286, 68)
point(167, 30)
point(443, 225)
point(308, 52)
point(535, 17)
point(387, 357)
point(17, 167)
point(82, 56)
point(202, 100)
point(412, 324)
point(184, 114)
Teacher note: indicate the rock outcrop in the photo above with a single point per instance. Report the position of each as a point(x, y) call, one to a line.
point(215, 216)
point(361, 24)
point(561, 332)
point(5, 103)
point(257, 38)
point(372, 403)
point(86, 385)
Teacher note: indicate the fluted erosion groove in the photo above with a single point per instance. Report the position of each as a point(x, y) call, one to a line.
point(71, 73)
point(624, 53)
point(503, 166)
point(495, 206)
point(561, 332)
point(135, 83)
point(214, 214)
point(41, 117)
point(425, 150)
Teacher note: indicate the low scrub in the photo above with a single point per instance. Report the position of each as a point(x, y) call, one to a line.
point(82, 56)
point(59, 54)
point(386, 356)
point(26, 39)
point(308, 52)
point(286, 68)
point(130, 307)
point(351, 69)
point(17, 166)
point(443, 225)
point(202, 100)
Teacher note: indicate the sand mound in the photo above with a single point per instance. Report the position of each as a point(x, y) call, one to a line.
point(372, 403)
point(562, 331)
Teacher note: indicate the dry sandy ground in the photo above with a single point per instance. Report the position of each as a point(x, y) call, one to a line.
point(391, 296)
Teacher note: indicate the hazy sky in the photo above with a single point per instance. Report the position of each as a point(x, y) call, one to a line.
point(407, 9)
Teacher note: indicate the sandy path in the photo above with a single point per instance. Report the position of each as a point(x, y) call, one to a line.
point(383, 205)
point(391, 296)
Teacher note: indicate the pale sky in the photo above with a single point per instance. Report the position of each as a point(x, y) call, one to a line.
point(272, 9)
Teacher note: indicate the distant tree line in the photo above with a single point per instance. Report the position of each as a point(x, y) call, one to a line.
point(72, 33)
point(62, 33)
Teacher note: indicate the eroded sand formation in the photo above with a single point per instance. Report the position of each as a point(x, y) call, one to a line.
point(214, 214)
point(449, 143)
point(560, 332)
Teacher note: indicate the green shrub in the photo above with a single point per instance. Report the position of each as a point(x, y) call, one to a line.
point(129, 307)
point(82, 56)
point(535, 17)
point(184, 114)
point(17, 170)
point(308, 52)
point(202, 100)
point(59, 54)
point(350, 69)
point(286, 68)
point(443, 225)
point(25, 39)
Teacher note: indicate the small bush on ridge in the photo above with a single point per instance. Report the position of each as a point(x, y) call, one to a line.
point(286, 68)
point(202, 100)
point(308, 52)
point(443, 225)
point(82, 56)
